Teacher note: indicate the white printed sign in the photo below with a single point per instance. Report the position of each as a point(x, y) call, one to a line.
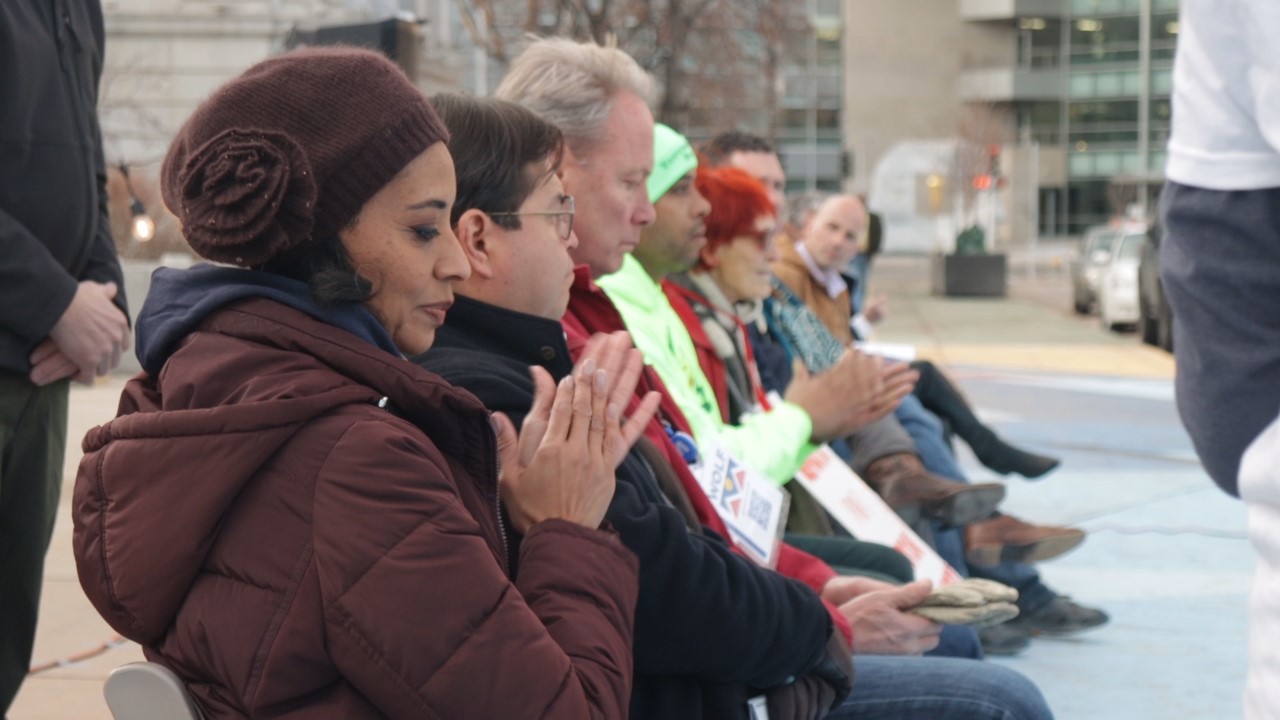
point(864, 514)
point(752, 507)
point(893, 351)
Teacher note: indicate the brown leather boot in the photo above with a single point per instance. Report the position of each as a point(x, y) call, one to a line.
point(915, 493)
point(1006, 538)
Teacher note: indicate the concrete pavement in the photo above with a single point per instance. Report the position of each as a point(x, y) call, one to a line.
point(1166, 556)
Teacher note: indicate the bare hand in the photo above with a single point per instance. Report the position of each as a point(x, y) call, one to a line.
point(843, 398)
point(561, 465)
point(899, 382)
point(843, 588)
point(92, 332)
point(49, 365)
point(876, 309)
point(616, 355)
point(880, 627)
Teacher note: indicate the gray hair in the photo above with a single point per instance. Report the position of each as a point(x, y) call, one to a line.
point(802, 206)
point(573, 85)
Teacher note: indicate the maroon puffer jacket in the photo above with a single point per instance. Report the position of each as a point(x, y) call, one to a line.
point(264, 526)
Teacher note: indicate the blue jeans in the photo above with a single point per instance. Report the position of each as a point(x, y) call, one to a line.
point(927, 688)
point(926, 430)
point(958, 641)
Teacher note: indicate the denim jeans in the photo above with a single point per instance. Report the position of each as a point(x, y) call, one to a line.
point(926, 429)
point(929, 688)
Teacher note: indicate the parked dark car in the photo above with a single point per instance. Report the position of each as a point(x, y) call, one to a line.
point(1155, 319)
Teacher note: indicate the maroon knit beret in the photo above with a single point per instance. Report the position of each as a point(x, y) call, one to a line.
point(291, 150)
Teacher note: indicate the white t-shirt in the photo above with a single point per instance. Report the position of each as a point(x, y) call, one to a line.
point(1226, 95)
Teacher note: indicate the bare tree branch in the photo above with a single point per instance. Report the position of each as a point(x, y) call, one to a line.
point(718, 63)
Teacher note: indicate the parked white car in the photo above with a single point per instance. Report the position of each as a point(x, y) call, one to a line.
point(1088, 265)
point(1118, 283)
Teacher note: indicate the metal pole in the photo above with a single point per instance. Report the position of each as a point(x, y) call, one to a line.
point(1033, 207)
point(1144, 102)
point(992, 195)
point(482, 58)
point(1064, 117)
point(811, 120)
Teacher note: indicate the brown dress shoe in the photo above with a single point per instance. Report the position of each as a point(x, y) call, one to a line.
point(915, 493)
point(1005, 538)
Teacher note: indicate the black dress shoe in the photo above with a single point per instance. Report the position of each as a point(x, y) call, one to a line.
point(1060, 616)
point(1003, 640)
point(1005, 458)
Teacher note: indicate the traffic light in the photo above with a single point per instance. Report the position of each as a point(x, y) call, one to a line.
point(992, 177)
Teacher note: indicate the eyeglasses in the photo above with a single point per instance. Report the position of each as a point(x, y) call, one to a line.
point(562, 218)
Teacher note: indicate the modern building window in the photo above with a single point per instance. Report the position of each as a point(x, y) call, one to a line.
point(1039, 122)
point(1104, 39)
point(1114, 83)
point(828, 50)
point(1089, 203)
point(1039, 43)
point(1098, 7)
point(1164, 36)
point(1105, 163)
point(1162, 82)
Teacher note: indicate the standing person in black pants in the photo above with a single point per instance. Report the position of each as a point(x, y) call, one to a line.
point(1220, 269)
point(62, 308)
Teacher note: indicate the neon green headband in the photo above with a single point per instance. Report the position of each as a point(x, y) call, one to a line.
point(673, 158)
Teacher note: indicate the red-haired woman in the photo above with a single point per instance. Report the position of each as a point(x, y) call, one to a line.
point(726, 291)
point(731, 281)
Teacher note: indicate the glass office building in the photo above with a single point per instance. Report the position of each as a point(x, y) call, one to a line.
point(808, 122)
point(1089, 82)
point(1074, 92)
point(1120, 70)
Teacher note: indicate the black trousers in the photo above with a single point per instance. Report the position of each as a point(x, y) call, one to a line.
point(940, 397)
point(1220, 269)
point(33, 439)
point(854, 557)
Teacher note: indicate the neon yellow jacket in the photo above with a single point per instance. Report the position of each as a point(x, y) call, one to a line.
point(772, 443)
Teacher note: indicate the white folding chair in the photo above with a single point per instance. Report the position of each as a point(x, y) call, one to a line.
point(147, 691)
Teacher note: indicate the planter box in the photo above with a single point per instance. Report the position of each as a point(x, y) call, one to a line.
point(969, 275)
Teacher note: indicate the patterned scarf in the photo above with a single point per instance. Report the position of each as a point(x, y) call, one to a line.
point(803, 333)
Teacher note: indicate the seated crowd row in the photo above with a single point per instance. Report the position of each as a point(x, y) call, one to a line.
point(315, 501)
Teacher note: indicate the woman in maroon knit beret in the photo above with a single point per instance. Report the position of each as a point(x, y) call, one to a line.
point(291, 516)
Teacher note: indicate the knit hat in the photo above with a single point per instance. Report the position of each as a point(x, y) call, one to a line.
point(291, 150)
point(673, 158)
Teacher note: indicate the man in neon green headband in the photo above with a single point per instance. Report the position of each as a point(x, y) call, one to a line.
point(815, 409)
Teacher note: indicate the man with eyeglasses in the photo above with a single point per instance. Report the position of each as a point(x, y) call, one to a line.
point(712, 628)
point(562, 216)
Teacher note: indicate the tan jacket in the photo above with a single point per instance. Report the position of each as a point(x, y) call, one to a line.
point(834, 312)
